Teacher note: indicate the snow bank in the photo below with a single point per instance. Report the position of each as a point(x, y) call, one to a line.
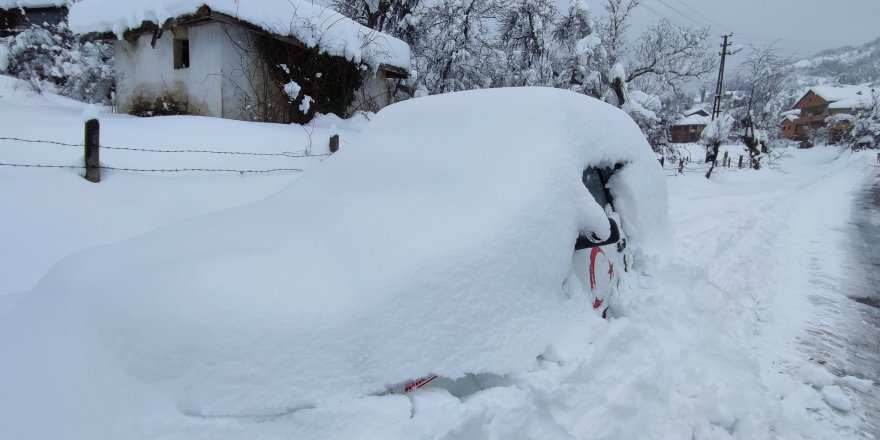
point(437, 243)
point(4, 57)
point(863, 385)
point(836, 398)
point(74, 214)
point(313, 25)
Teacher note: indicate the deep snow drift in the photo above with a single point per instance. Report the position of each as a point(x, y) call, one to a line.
point(710, 347)
point(438, 244)
point(57, 212)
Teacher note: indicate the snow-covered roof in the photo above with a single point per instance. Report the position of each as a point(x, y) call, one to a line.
point(9, 4)
point(694, 119)
point(437, 242)
point(840, 93)
point(695, 110)
point(310, 24)
point(860, 101)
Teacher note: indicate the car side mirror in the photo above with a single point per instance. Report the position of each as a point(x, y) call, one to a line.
point(584, 242)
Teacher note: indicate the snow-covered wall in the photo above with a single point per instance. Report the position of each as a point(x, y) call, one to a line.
point(225, 78)
point(147, 74)
point(248, 94)
point(373, 94)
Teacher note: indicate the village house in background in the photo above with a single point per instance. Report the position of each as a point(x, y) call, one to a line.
point(788, 128)
point(272, 60)
point(690, 126)
point(17, 15)
point(811, 112)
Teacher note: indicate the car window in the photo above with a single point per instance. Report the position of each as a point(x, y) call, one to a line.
point(595, 180)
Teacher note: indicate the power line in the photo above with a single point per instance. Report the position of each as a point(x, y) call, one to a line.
point(660, 14)
point(720, 26)
point(789, 43)
point(686, 17)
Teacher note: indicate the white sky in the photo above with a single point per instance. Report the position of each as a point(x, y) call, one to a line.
point(797, 27)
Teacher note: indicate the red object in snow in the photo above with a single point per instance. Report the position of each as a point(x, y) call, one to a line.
point(418, 383)
point(593, 253)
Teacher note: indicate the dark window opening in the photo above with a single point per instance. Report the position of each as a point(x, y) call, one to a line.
point(181, 53)
point(595, 182)
point(11, 22)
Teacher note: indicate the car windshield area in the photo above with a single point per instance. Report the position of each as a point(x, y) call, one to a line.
point(595, 180)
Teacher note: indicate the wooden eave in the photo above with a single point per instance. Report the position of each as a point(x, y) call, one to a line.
point(394, 71)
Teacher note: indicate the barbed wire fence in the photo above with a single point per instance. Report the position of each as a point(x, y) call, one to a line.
point(91, 146)
point(685, 165)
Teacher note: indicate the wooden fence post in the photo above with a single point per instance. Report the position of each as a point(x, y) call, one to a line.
point(334, 143)
point(681, 166)
point(662, 161)
point(724, 162)
point(92, 144)
point(740, 161)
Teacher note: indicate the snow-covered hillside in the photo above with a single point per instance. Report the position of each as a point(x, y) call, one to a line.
point(847, 65)
point(712, 346)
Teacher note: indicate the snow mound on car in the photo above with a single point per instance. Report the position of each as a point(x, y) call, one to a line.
point(436, 243)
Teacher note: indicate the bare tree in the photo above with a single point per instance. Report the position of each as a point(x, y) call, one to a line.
point(768, 78)
point(670, 55)
point(612, 30)
point(389, 16)
point(458, 49)
point(664, 57)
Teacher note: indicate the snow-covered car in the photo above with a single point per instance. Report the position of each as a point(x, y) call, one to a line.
point(439, 243)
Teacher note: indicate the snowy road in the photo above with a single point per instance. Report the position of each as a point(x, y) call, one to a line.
point(777, 247)
point(849, 344)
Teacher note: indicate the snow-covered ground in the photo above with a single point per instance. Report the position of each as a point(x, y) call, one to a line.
point(57, 212)
point(716, 345)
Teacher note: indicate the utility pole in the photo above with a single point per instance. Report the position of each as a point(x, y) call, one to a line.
point(716, 106)
point(712, 150)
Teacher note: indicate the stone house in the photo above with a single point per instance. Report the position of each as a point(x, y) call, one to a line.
point(257, 60)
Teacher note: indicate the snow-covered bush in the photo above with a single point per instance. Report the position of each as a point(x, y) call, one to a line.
point(865, 123)
point(716, 133)
point(52, 58)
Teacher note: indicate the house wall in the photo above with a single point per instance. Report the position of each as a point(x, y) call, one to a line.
point(682, 134)
point(226, 77)
point(373, 95)
point(146, 76)
point(249, 92)
point(788, 129)
point(812, 104)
